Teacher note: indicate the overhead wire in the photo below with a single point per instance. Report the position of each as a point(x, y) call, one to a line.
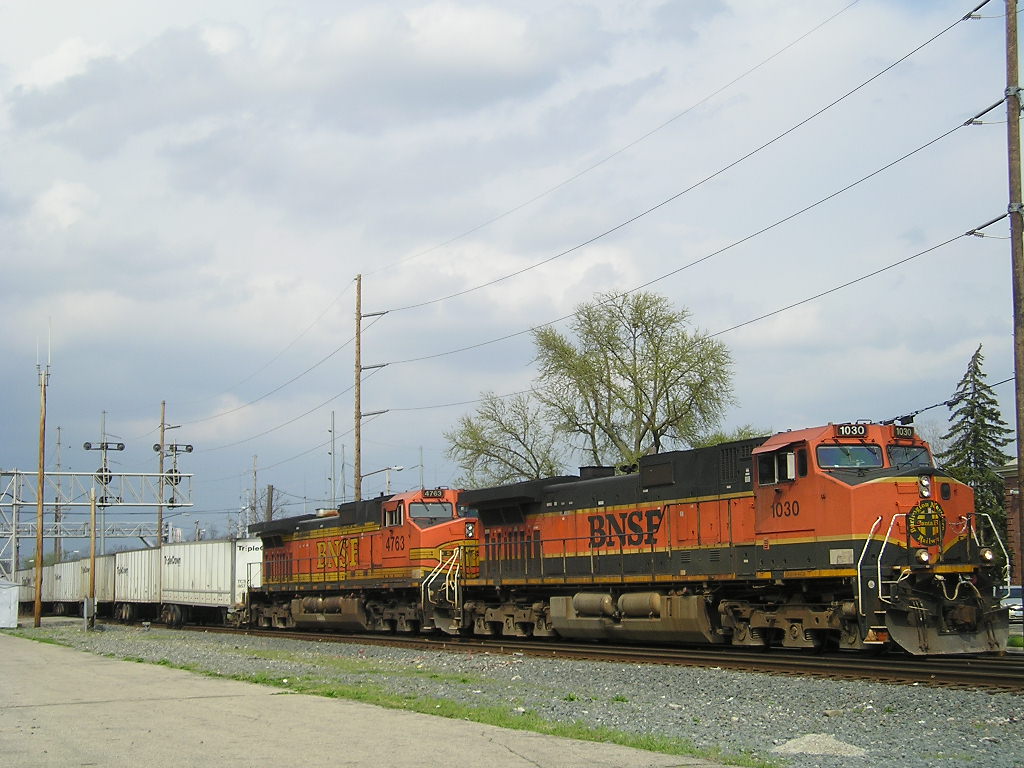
point(620, 150)
point(625, 223)
point(282, 386)
point(677, 195)
point(766, 315)
point(264, 367)
point(909, 416)
point(287, 423)
point(712, 254)
point(595, 238)
point(854, 281)
point(484, 224)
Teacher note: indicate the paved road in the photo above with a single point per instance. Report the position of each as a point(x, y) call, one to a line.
point(62, 707)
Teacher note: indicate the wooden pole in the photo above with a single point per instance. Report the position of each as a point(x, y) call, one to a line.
point(37, 613)
point(1016, 245)
point(357, 479)
point(160, 502)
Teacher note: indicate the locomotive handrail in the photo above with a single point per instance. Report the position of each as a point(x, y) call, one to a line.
point(885, 543)
point(1006, 557)
point(451, 568)
point(860, 563)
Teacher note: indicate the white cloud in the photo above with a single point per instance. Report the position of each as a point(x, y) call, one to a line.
point(70, 58)
point(63, 204)
point(187, 190)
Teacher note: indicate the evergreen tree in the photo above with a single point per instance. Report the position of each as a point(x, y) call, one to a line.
point(976, 437)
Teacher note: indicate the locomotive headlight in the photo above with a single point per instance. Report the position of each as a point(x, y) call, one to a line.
point(924, 484)
point(922, 556)
point(986, 555)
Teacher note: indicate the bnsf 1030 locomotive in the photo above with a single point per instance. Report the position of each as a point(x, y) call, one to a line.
point(837, 536)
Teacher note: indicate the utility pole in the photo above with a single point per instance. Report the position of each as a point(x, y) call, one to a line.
point(58, 553)
point(268, 515)
point(358, 397)
point(1016, 248)
point(161, 449)
point(92, 557)
point(44, 377)
point(357, 480)
point(334, 483)
point(255, 496)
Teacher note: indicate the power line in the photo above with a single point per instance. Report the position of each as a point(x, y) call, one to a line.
point(786, 308)
point(909, 417)
point(845, 285)
point(620, 150)
point(692, 187)
point(282, 386)
point(717, 252)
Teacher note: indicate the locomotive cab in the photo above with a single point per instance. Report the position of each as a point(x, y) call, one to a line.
point(868, 500)
point(380, 564)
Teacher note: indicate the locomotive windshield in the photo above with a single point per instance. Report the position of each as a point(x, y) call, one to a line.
point(840, 456)
point(901, 456)
point(427, 513)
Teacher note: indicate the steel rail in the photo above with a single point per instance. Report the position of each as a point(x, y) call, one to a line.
point(995, 672)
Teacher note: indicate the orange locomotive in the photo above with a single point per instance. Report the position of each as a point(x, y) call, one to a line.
point(843, 536)
point(837, 536)
point(368, 565)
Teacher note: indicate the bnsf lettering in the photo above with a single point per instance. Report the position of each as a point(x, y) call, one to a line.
point(337, 554)
point(624, 528)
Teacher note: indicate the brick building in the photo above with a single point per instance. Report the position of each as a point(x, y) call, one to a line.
point(1014, 524)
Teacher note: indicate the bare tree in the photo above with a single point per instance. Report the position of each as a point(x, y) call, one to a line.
point(505, 441)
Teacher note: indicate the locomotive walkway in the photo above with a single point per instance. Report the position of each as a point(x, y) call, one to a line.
point(60, 706)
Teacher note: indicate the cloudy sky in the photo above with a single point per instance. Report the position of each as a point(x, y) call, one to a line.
point(188, 190)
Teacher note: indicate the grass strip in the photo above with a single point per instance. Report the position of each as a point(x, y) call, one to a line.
point(501, 717)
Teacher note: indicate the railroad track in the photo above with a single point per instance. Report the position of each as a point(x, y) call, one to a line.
point(1003, 673)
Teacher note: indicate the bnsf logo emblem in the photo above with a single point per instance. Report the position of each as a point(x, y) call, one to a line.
point(172, 560)
point(624, 528)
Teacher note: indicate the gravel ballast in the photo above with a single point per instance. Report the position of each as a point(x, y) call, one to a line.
point(794, 721)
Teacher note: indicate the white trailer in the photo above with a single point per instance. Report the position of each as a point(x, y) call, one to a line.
point(26, 581)
point(65, 587)
point(137, 584)
point(203, 580)
point(104, 579)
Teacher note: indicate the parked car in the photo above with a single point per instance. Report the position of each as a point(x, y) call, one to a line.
point(1013, 602)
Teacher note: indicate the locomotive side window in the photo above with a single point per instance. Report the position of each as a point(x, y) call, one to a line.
point(781, 466)
point(841, 456)
point(394, 516)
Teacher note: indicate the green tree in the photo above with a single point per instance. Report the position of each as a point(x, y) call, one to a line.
point(507, 440)
point(976, 437)
point(635, 380)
